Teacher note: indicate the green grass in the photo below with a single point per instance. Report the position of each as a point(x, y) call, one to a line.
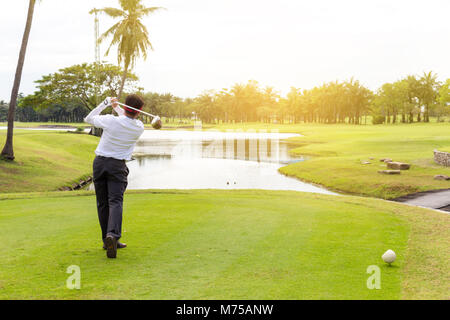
point(222, 245)
point(46, 160)
point(337, 153)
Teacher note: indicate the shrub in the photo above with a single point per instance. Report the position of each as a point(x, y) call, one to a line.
point(378, 119)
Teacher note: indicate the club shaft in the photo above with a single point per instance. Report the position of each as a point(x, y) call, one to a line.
point(148, 114)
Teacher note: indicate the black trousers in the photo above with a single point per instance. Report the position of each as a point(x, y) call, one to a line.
point(110, 181)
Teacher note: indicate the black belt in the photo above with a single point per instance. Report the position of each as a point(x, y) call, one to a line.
point(106, 158)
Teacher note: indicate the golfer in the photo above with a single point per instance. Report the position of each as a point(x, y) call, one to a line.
point(116, 145)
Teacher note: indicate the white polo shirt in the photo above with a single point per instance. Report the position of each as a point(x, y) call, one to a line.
point(120, 134)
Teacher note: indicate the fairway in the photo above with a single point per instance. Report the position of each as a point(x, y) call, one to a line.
point(222, 245)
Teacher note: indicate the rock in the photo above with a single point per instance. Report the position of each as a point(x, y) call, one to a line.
point(441, 177)
point(398, 165)
point(389, 171)
point(371, 158)
point(365, 162)
point(386, 160)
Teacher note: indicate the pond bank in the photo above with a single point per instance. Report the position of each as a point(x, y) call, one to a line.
point(78, 185)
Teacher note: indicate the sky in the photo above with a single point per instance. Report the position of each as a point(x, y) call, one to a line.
point(213, 44)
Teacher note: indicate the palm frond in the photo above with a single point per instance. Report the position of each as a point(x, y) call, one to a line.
point(112, 12)
point(109, 32)
point(146, 11)
point(129, 35)
point(129, 5)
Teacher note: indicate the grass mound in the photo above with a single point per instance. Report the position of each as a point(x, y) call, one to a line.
point(46, 160)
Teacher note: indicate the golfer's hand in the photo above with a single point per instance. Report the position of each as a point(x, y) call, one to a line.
point(114, 102)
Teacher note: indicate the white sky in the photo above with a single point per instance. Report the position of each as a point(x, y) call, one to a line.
point(212, 44)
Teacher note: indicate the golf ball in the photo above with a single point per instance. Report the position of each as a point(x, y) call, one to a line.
point(389, 256)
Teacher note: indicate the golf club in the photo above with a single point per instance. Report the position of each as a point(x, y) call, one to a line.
point(156, 122)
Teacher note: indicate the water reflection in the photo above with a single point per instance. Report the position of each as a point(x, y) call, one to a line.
point(259, 150)
point(213, 160)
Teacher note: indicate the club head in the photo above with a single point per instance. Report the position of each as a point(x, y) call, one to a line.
point(157, 123)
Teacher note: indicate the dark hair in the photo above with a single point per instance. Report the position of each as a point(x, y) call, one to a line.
point(135, 101)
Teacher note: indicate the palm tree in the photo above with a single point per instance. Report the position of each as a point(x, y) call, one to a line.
point(8, 151)
point(129, 34)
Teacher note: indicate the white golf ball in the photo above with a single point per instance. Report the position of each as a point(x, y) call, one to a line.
point(389, 256)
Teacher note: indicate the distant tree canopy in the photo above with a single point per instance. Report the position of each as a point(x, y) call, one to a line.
point(3, 111)
point(333, 102)
point(69, 94)
point(412, 97)
point(69, 111)
point(408, 100)
point(444, 94)
point(86, 84)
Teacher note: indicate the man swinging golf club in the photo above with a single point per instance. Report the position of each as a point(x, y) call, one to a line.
point(120, 134)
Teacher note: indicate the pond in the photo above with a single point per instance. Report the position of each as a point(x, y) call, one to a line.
point(213, 160)
point(177, 159)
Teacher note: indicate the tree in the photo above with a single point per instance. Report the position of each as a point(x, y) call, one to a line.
point(413, 88)
point(268, 108)
point(428, 92)
point(402, 100)
point(31, 110)
point(443, 99)
point(206, 106)
point(444, 93)
point(129, 34)
point(398, 97)
point(79, 83)
point(3, 111)
point(8, 151)
point(387, 101)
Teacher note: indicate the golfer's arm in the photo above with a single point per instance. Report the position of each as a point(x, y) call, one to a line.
point(119, 111)
point(90, 117)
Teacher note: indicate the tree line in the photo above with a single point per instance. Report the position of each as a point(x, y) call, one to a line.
point(414, 98)
point(69, 94)
point(334, 102)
